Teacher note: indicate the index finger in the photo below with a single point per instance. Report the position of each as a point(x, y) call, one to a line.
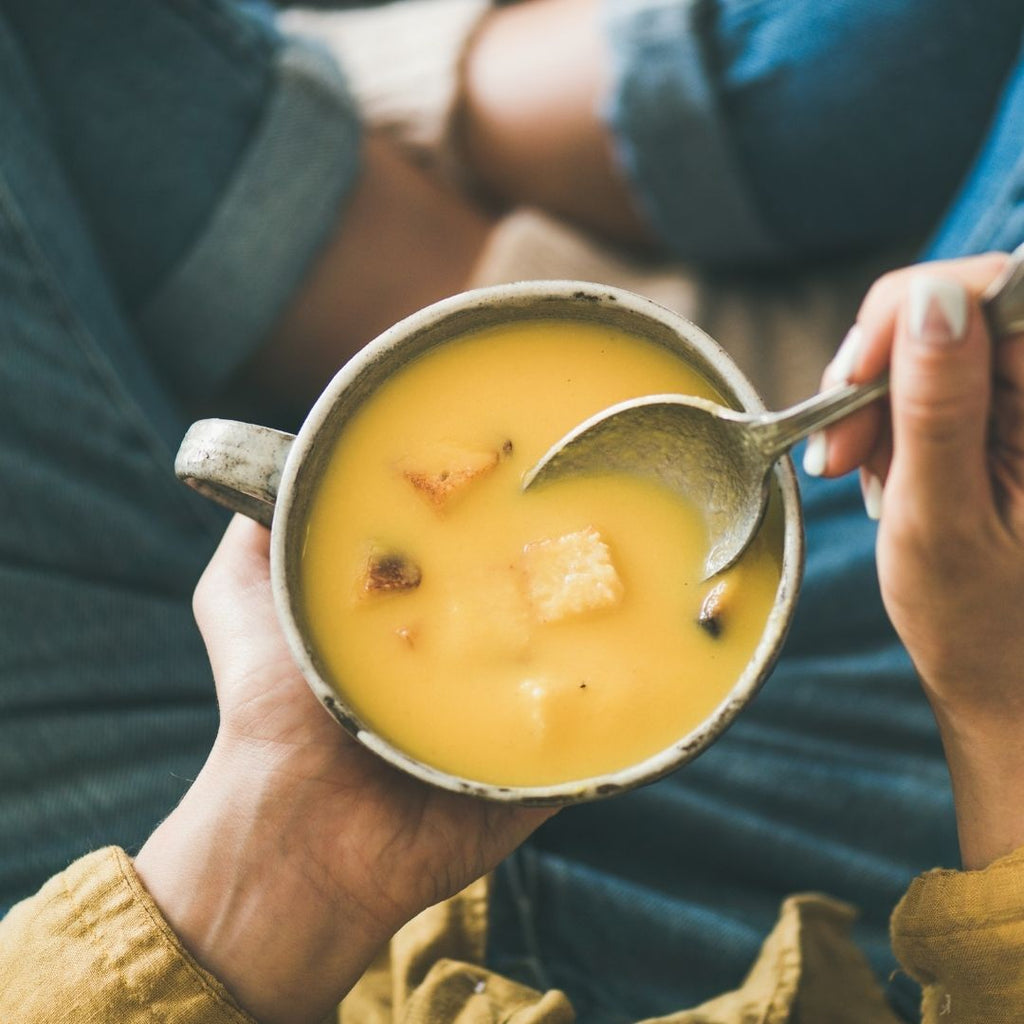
point(853, 442)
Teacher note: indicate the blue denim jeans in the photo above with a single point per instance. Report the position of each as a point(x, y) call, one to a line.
point(168, 169)
point(762, 131)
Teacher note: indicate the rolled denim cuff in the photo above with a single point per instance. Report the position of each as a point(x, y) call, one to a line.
point(278, 210)
point(670, 134)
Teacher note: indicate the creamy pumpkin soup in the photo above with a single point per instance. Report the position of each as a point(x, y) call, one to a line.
point(521, 639)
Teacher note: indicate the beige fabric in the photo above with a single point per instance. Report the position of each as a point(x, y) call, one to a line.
point(781, 330)
point(432, 971)
point(402, 61)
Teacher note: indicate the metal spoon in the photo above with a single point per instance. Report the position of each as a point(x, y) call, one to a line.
point(718, 458)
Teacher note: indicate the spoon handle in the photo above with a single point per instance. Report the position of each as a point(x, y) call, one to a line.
point(1003, 306)
point(777, 432)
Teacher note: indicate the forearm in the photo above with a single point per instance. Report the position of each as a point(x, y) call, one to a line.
point(232, 875)
point(986, 767)
point(961, 933)
point(950, 568)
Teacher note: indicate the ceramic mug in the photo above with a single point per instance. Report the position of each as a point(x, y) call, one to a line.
point(272, 476)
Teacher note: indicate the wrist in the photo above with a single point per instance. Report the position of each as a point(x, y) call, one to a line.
point(235, 875)
point(985, 755)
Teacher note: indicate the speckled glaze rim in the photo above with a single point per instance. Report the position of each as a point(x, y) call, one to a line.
point(451, 318)
point(272, 477)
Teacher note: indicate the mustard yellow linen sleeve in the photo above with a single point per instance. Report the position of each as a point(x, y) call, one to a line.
point(91, 946)
point(961, 935)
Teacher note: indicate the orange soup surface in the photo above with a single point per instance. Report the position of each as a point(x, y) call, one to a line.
point(521, 639)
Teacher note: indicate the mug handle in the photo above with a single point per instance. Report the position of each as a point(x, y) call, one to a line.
point(238, 465)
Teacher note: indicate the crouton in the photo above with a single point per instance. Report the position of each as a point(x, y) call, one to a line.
point(570, 575)
point(712, 610)
point(719, 603)
point(444, 471)
point(388, 572)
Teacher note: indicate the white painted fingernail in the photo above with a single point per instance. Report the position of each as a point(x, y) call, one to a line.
point(846, 357)
point(871, 489)
point(816, 454)
point(937, 313)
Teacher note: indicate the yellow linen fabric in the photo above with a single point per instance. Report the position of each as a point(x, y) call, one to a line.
point(808, 970)
point(91, 946)
point(961, 935)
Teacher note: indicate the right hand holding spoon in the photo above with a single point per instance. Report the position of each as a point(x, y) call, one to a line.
point(942, 467)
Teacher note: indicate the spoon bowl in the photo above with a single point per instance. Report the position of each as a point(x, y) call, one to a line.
point(720, 459)
point(717, 458)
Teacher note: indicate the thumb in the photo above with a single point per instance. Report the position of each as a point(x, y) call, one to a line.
point(941, 395)
point(233, 603)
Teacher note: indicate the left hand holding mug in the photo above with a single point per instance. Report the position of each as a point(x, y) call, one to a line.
point(297, 853)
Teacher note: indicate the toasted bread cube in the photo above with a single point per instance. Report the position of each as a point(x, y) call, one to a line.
point(719, 604)
point(388, 572)
point(443, 471)
point(570, 575)
point(713, 609)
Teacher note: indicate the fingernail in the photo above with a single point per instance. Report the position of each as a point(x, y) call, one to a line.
point(816, 454)
point(846, 357)
point(938, 310)
point(871, 489)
